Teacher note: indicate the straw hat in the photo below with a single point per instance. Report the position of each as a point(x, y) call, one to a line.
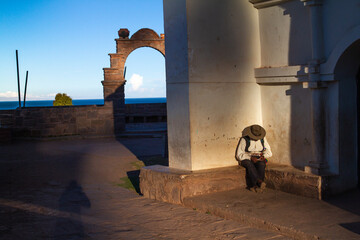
point(255, 132)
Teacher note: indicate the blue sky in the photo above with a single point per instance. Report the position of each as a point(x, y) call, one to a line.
point(64, 44)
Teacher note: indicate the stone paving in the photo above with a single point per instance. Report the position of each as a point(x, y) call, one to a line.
point(69, 190)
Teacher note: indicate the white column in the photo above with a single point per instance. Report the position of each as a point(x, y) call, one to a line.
point(212, 48)
point(318, 163)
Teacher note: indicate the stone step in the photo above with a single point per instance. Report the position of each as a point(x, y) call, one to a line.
point(173, 185)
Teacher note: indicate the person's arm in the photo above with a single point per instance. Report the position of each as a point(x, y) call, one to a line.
point(267, 152)
point(240, 153)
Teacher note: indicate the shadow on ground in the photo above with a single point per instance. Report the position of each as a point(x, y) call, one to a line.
point(33, 175)
point(133, 177)
point(151, 151)
point(43, 183)
point(348, 201)
point(72, 200)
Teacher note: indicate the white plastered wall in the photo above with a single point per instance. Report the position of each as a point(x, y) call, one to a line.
point(285, 42)
point(218, 96)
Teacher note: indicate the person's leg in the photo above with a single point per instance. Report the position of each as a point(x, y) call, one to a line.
point(260, 167)
point(248, 179)
point(251, 172)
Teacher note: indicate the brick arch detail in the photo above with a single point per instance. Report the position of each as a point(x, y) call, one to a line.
point(145, 37)
point(145, 34)
point(113, 84)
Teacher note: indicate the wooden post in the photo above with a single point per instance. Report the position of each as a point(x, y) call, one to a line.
point(18, 78)
point(26, 79)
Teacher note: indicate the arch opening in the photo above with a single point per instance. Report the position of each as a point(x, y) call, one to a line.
point(145, 74)
point(347, 73)
point(115, 83)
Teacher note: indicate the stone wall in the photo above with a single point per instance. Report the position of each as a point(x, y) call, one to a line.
point(6, 118)
point(92, 120)
point(147, 112)
point(62, 121)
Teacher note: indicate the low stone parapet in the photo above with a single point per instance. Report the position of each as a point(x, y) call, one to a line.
point(90, 120)
point(5, 135)
point(145, 112)
point(174, 185)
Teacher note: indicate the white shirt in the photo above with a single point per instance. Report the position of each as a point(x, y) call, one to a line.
point(255, 148)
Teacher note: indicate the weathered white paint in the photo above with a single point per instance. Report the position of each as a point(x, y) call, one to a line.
point(285, 35)
point(218, 80)
point(286, 116)
point(218, 96)
point(177, 86)
point(341, 28)
point(219, 112)
point(346, 40)
point(284, 75)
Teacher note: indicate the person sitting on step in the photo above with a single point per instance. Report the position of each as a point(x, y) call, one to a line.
point(252, 153)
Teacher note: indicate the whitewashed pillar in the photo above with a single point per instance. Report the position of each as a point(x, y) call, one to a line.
point(317, 163)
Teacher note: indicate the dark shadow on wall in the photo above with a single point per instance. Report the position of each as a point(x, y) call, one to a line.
point(345, 90)
point(299, 53)
point(116, 101)
point(346, 72)
point(300, 33)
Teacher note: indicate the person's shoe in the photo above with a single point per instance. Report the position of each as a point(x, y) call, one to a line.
point(253, 189)
point(262, 187)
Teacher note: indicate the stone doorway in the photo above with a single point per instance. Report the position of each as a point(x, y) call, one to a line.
point(347, 74)
point(358, 124)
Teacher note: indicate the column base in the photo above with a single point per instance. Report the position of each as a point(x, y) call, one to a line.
point(316, 168)
point(173, 185)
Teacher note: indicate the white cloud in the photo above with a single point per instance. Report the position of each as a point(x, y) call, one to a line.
point(51, 95)
point(8, 94)
point(136, 81)
point(12, 96)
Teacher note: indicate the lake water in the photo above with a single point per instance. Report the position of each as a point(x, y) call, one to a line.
point(77, 102)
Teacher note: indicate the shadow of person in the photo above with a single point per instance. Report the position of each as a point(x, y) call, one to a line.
point(71, 201)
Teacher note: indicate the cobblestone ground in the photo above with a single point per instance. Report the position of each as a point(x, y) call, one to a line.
point(69, 190)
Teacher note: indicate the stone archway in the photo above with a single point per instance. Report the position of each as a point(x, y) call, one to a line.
point(114, 79)
point(347, 72)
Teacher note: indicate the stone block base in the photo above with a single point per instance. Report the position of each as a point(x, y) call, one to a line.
point(291, 180)
point(173, 185)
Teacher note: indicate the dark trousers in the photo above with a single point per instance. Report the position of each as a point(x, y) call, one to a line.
point(254, 172)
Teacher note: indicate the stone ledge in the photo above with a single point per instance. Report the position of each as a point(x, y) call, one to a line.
point(173, 185)
point(266, 3)
point(291, 180)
